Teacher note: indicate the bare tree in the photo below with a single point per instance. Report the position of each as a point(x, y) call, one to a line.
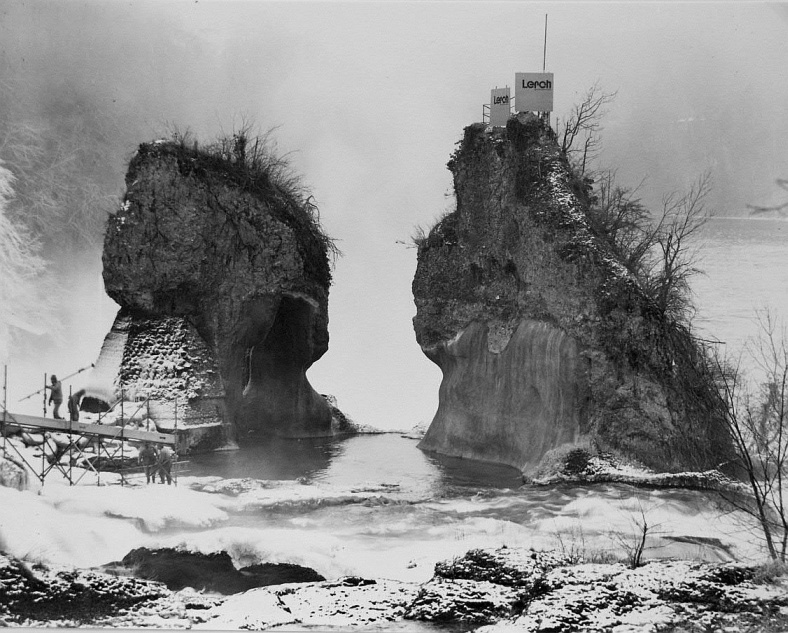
point(780, 209)
point(757, 420)
point(673, 252)
point(619, 217)
point(634, 544)
point(579, 135)
point(660, 252)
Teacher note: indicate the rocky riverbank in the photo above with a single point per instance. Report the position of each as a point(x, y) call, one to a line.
point(488, 590)
point(582, 465)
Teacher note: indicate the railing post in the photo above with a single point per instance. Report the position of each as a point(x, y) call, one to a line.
point(122, 430)
point(43, 456)
point(70, 436)
point(5, 405)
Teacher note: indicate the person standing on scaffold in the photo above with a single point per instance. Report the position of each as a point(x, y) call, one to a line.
point(73, 405)
point(56, 397)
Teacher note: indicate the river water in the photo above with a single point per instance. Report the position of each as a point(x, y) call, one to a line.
point(745, 268)
point(377, 506)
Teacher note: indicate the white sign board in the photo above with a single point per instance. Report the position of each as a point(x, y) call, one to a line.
point(499, 106)
point(533, 92)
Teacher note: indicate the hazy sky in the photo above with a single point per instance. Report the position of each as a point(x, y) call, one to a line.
point(370, 99)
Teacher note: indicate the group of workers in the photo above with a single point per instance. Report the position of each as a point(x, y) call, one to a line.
point(157, 462)
point(154, 461)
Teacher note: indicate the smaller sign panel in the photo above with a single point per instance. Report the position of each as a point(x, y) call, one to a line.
point(533, 92)
point(499, 106)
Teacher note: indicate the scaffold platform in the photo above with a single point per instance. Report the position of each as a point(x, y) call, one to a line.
point(97, 430)
point(72, 440)
point(75, 448)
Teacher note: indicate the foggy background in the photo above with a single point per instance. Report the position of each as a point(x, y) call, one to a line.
point(368, 100)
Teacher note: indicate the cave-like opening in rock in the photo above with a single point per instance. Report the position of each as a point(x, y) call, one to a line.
point(276, 395)
point(285, 349)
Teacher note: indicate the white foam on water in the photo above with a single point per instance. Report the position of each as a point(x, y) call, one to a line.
point(322, 552)
point(31, 528)
point(604, 523)
point(154, 507)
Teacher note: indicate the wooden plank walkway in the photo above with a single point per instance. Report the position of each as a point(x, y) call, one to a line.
point(99, 430)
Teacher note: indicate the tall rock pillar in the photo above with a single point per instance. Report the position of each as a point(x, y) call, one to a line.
point(209, 243)
point(544, 338)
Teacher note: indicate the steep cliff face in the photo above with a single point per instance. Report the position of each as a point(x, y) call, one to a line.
point(543, 337)
point(210, 247)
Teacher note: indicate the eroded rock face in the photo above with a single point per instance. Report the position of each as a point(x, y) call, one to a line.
point(242, 265)
point(543, 337)
point(485, 395)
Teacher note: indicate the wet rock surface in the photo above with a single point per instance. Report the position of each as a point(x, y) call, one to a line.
point(208, 572)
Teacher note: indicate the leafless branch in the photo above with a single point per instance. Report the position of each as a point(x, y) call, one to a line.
point(778, 208)
point(580, 134)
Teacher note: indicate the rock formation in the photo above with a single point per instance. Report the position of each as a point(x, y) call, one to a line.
point(213, 572)
point(544, 338)
point(222, 275)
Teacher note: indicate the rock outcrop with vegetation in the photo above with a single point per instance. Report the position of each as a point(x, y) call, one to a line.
point(222, 272)
point(545, 335)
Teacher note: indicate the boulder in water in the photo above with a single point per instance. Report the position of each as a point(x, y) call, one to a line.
point(211, 572)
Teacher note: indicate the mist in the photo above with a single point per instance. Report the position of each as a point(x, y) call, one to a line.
point(368, 101)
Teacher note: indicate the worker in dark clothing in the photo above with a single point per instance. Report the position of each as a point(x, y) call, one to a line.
point(56, 397)
point(73, 405)
point(149, 459)
point(166, 457)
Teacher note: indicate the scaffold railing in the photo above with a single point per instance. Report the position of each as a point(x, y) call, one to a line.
point(69, 439)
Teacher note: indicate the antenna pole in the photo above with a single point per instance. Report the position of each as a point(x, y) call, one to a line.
point(544, 57)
